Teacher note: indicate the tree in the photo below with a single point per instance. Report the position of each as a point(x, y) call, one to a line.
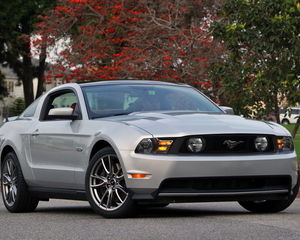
point(17, 22)
point(136, 39)
point(260, 69)
point(3, 89)
point(17, 108)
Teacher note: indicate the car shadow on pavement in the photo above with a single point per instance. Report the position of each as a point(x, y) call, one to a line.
point(73, 209)
point(170, 212)
point(66, 210)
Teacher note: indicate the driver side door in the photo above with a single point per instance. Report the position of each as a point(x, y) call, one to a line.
point(52, 145)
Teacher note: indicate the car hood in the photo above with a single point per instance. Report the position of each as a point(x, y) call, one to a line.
point(191, 123)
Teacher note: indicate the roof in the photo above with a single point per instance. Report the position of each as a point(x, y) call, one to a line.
point(120, 82)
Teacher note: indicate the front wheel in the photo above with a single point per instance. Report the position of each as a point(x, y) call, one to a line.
point(106, 188)
point(15, 193)
point(270, 206)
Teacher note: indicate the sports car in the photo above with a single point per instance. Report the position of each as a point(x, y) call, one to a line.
point(125, 145)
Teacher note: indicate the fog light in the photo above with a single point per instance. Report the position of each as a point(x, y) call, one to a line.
point(261, 143)
point(195, 145)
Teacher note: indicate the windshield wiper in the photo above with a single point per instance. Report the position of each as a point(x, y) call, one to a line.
point(111, 115)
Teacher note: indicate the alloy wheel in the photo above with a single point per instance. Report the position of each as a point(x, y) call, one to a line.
point(9, 182)
point(107, 184)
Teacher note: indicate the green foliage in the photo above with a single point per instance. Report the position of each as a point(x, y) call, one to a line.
point(290, 128)
point(17, 108)
point(18, 19)
point(262, 41)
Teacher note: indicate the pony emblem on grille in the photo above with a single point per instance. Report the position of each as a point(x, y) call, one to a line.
point(231, 144)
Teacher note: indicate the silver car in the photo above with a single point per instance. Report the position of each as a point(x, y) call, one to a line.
point(127, 145)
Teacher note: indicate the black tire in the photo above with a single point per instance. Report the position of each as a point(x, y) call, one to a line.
point(106, 188)
point(15, 193)
point(285, 122)
point(271, 206)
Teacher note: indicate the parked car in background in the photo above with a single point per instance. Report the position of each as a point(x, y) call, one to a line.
point(289, 115)
point(266, 116)
point(127, 145)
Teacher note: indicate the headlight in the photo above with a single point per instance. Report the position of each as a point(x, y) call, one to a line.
point(195, 145)
point(285, 144)
point(261, 143)
point(148, 145)
point(145, 146)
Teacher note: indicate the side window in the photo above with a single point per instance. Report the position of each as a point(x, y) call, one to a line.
point(61, 100)
point(294, 111)
point(64, 100)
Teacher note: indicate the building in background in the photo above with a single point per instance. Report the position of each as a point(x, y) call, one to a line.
point(15, 90)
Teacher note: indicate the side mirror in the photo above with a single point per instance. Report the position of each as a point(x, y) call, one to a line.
point(228, 110)
point(62, 113)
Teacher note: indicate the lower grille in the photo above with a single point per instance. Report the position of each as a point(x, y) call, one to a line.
point(225, 184)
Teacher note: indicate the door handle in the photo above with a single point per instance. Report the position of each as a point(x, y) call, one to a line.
point(35, 133)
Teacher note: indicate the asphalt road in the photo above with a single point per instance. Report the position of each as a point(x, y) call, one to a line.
point(63, 219)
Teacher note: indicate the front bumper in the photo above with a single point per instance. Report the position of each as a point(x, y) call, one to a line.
point(173, 178)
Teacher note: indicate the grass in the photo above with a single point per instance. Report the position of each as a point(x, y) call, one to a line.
point(290, 127)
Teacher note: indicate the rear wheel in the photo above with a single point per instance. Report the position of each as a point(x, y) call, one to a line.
point(285, 121)
point(270, 206)
point(106, 188)
point(14, 188)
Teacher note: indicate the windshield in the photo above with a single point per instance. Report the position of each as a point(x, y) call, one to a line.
point(30, 110)
point(110, 100)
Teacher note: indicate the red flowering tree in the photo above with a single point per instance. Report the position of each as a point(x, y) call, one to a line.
point(164, 40)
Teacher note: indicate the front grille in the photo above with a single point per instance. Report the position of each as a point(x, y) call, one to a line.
point(215, 144)
point(218, 144)
point(223, 184)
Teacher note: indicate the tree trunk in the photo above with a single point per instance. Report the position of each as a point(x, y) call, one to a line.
point(27, 75)
point(276, 107)
point(41, 73)
point(27, 71)
point(295, 129)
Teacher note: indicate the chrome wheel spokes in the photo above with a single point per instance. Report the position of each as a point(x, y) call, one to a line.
point(9, 182)
point(107, 184)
